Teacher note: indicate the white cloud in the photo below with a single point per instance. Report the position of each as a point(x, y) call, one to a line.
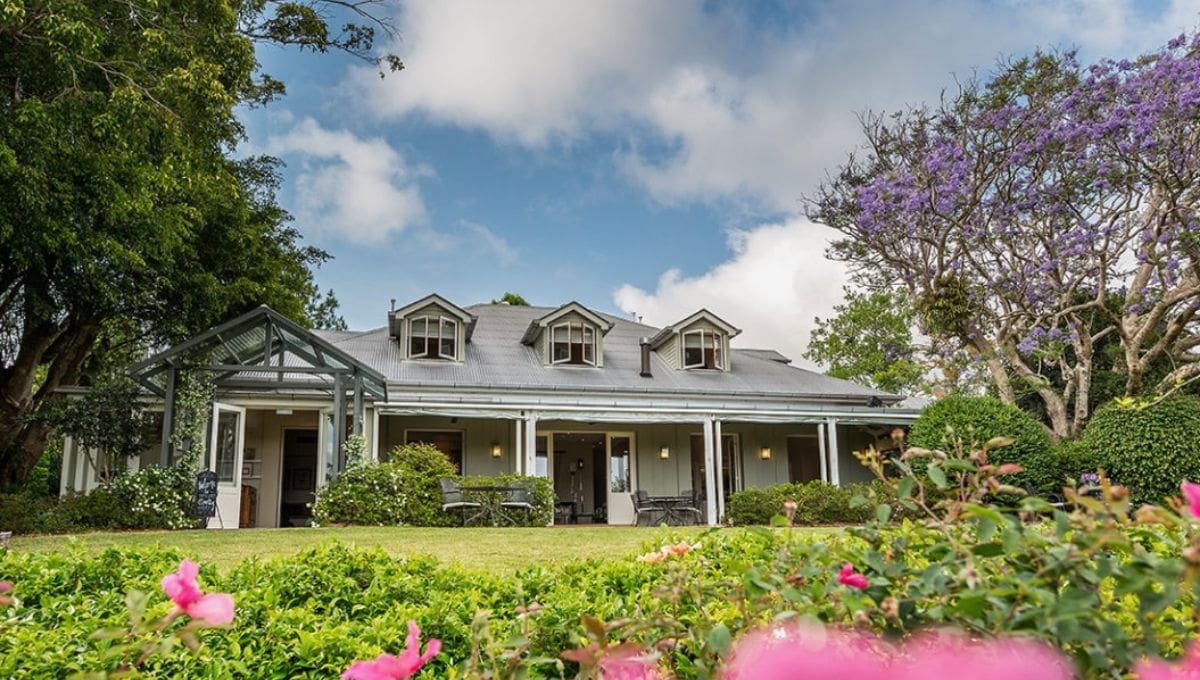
point(491, 244)
point(359, 189)
point(771, 287)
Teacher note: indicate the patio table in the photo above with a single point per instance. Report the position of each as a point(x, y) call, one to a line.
point(489, 498)
point(674, 513)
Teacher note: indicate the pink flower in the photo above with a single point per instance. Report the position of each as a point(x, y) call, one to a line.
point(1191, 493)
point(945, 654)
point(681, 548)
point(215, 609)
point(392, 667)
point(627, 663)
point(789, 509)
point(1187, 668)
point(806, 652)
point(848, 577)
point(5, 589)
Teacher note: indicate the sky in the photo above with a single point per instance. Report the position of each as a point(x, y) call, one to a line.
point(643, 158)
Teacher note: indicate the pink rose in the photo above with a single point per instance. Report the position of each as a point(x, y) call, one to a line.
point(1191, 493)
point(1187, 668)
point(848, 577)
point(396, 667)
point(215, 609)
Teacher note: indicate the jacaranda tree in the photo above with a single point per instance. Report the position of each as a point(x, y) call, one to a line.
point(1037, 214)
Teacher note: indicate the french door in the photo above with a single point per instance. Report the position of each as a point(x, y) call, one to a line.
point(621, 477)
point(226, 446)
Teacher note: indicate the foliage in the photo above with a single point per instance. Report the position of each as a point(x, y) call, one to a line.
point(127, 203)
point(322, 312)
point(975, 420)
point(817, 503)
point(355, 449)
point(1060, 465)
point(151, 498)
point(1150, 448)
point(869, 341)
point(110, 418)
point(193, 410)
point(511, 299)
point(1037, 214)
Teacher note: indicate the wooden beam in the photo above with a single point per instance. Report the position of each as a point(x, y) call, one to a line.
point(168, 425)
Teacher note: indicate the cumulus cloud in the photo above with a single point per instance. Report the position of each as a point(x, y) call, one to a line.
point(359, 189)
point(771, 287)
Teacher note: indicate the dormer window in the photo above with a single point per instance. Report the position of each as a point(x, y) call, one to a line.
point(432, 337)
point(702, 349)
point(573, 343)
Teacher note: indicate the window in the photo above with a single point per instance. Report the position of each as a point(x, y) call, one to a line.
point(432, 338)
point(449, 442)
point(573, 343)
point(703, 349)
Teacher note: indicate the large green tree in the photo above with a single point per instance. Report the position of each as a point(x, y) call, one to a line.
point(122, 203)
point(869, 340)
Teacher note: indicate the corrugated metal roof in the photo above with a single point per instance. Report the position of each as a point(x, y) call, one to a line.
point(495, 357)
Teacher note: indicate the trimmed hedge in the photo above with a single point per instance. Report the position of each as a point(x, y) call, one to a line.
point(1059, 466)
point(817, 503)
point(1149, 448)
point(975, 420)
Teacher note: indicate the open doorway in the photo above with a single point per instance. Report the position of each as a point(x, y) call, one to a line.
point(593, 475)
point(299, 481)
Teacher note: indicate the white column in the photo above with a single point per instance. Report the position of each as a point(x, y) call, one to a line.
point(710, 477)
point(821, 444)
point(531, 444)
point(834, 472)
point(518, 456)
point(374, 444)
point(66, 481)
point(720, 469)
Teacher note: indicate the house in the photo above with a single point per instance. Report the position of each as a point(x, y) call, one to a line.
point(600, 404)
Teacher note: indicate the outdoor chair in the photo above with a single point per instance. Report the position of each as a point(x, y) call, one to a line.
point(519, 499)
point(452, 499)
point(690, 511)
point(642, 507)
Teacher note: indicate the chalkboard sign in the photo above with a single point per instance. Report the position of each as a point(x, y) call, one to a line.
point(206, 494)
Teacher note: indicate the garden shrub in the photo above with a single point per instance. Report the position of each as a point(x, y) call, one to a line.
point(1151, 447)
point(1061, 465)
point(817, 503)
point(974, 421)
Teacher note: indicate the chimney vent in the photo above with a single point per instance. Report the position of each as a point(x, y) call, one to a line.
point(646, 358)
point(393, 304)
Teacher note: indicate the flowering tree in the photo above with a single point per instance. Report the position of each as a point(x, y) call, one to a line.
point(1038, 214)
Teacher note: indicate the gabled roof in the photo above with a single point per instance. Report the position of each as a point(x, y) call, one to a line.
point(463, 315)
point(539, 324)
point(261, 349)
point(664, 334)
point(768, 354)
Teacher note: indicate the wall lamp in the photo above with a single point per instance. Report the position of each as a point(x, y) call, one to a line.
point(765, 453)
point(496, 451)
point(664, 452)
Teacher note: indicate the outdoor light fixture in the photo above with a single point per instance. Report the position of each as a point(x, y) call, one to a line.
point(664, 452)
point(765, 453)
point(495, 449)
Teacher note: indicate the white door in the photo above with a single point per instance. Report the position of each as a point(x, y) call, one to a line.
point(621, 477)
point(225, 453)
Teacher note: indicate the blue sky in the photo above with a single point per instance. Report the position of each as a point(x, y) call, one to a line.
point(639, 157)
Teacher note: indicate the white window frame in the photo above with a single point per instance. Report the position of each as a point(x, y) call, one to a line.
point(715, 340)
point(435, 336)
point(585, 330)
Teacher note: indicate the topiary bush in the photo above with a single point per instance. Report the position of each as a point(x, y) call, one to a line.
point(817, 503)
point(1062, 464)
point(1151, 447)
point(975, 420)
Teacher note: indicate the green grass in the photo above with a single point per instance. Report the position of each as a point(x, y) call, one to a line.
point(494, 550)
point(499, 551)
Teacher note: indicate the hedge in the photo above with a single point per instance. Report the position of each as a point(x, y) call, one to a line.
point(817, 503)
point(974, 421)
point(1150, 448)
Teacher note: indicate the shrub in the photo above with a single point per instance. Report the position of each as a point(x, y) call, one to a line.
point(1149, 448)
point(423, 466)
point(817, 503)
point(975, 420)
point(1060, 465)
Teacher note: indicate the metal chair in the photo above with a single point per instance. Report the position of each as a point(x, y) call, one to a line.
point(643, 507)
point(519, 499)
point(452, 499)
point(689, 508)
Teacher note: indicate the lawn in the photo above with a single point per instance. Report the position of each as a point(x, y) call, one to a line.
point(496, 550)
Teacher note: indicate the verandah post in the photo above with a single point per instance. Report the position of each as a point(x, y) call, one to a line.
point(710, 478)
point(168, 425)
